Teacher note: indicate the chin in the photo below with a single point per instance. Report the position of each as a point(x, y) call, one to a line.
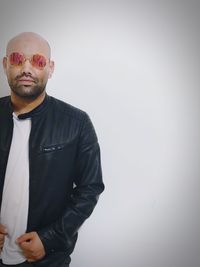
point(28, 92)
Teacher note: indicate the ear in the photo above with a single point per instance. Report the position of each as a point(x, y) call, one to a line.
point(51, 68)
point(5, 64)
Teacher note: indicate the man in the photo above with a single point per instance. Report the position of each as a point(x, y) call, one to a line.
point(50, 170)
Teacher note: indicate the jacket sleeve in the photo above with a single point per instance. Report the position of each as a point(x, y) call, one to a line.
point(88, 185)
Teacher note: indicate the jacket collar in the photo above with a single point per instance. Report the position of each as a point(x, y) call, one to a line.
point(34, 112)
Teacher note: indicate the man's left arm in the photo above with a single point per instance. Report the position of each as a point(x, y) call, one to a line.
point(61, 235)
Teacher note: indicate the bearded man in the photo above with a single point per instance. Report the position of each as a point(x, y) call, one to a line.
point(50, 169)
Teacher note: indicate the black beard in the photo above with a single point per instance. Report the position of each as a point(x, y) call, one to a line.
point(27, 92)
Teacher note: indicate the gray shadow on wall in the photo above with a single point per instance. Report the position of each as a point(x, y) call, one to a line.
point(4, 92)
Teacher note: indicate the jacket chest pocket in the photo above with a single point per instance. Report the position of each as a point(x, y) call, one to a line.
point(58, 150)
point(53, 148)
point(54, 162)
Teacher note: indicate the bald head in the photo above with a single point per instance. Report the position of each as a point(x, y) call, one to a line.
point(29, 43)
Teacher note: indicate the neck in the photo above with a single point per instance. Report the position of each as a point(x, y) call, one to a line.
point(23, 105)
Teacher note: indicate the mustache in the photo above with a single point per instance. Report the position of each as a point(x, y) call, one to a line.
point(26, 75)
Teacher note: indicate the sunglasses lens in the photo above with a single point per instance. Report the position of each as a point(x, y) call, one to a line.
point(39, 61)
point(16, 59)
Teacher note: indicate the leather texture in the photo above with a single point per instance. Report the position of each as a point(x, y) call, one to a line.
point(65, 173)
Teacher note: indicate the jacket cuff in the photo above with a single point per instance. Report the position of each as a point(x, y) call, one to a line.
point(53, 242)
point(47, 241)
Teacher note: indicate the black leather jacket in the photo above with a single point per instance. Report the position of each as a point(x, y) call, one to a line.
point(65, 173)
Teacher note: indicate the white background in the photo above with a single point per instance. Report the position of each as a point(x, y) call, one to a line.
point(134, 67)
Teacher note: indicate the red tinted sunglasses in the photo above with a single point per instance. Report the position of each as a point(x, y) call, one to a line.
point(37, 61)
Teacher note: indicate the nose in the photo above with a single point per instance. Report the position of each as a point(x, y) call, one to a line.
point(26, 67)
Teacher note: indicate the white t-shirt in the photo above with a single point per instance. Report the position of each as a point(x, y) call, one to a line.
point(15, 199)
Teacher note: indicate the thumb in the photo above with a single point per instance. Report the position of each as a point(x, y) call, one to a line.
point(25, 238)
point(3, 229)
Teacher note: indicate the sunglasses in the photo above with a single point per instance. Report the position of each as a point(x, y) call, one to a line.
point(38, 61)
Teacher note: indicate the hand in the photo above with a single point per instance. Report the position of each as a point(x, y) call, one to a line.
point(31, 246)
point(3, 232)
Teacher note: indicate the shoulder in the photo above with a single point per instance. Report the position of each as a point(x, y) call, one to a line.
point(4, 102)
point(65, 109)
point(67, 114)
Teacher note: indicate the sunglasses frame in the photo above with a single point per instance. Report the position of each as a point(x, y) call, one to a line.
point(30, 59)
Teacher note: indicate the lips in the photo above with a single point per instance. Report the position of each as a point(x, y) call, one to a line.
point(26, 81)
